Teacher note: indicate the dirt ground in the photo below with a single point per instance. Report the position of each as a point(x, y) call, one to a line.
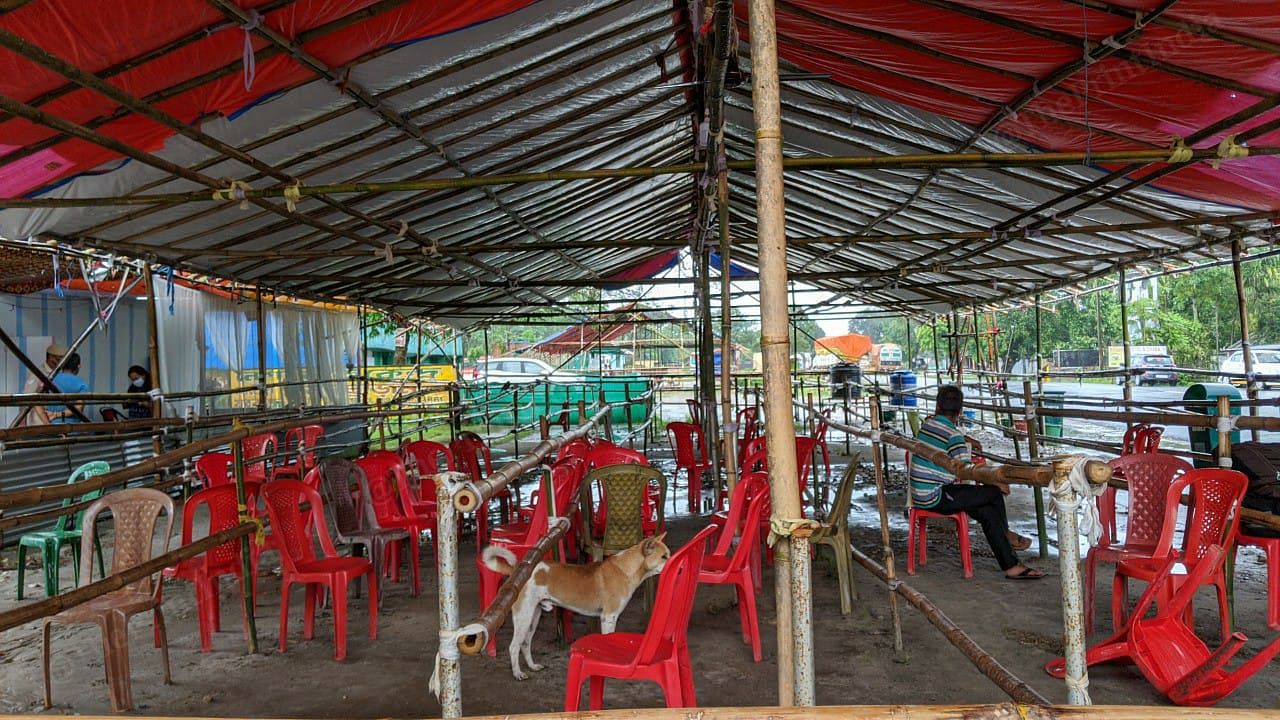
point(1018, 622)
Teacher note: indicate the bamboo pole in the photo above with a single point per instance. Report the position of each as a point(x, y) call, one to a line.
point(153, 344)
point(262, 351)
point(1124, 336)
point(706, 370)
point(246, 566)
point(1033, 445)
point(922, 161)
point(51, 606)
point(728, 420)
point(1246, 347)
point(493, 616)
point(985, 662)
point(877, 464)
point(795, 650)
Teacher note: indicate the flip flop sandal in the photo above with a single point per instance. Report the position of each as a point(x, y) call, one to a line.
point(1026, 574)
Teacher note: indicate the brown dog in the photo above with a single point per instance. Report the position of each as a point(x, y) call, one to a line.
point(600, 589)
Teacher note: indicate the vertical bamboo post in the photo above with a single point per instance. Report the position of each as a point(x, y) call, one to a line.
point(262, 350)
point(515, 419)
point(1246, 347)
point(153, 344)
point(937, 364)
point(1124, 339)
point(795, 648)
point(848, 437)
point(246, 566)
point(1224, 431)
point(487, 356)
point(706, 363)
point(877, 463)
point(364, 356)
point(1065, 502)
point(729, 424)
point(449, 681)
point(417, 371)
point(1033, 442)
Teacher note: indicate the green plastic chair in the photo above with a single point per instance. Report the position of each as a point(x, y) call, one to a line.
point(66, 532)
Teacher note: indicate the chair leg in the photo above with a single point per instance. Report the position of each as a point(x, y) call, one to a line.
point(415, 559)
point(911, 547)
point(115, 653)
point(284, 613)
point(962, 534)
point(1224, 609)
point(157, 618)
point(844, 573)
point(1090, 576)
point(747, 599)
point(203, 603)
point(687, 691)
point(1119, 600)
point(374, 599)
point(75, 560)
point(51, 569)
point(309, 611)
point(672, 685)
point(595, 693)
point(340, 616)
point(1273, 587)
point(22, 569)
point(44, 665)
point(573, 683)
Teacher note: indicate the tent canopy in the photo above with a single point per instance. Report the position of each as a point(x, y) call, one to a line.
point(166, 97)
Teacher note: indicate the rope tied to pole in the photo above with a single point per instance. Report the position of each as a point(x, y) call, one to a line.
point(293, 195)
point(1229, 149)
point(237, 190)
point(259, 529)
point(1179, 152)
point(791, 527)
point(448, 650)
point(1075, 494)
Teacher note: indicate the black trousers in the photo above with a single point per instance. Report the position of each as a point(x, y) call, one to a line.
point(985, 504)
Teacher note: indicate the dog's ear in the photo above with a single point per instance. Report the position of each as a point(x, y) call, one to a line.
point(650, 545)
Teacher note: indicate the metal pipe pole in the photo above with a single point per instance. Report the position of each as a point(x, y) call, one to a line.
point(795, 648)
point(1077, 670)
point(1246, 347)
point(246, 566)
point(262, 352)
point(448, 669)
point(1042, 529)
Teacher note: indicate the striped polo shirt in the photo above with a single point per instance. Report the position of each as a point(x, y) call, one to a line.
point(927, 478)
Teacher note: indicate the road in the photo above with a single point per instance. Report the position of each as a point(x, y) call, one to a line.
point(1175, 437)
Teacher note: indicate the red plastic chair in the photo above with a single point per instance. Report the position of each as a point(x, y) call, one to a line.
point(384, 475)
point(918, 539)
point(1213, 519)
point(753, 456)
point(1166, 649)
point(577, 447)
point(301, 564)
point(1138, 439)
point(732, 563)
point(204, 570)
point(1149, 476)
point(431, 457)
point(757, 483)
point(423, 459)
point(820, 437)
point(257, 451)
point(695, 410)
point(690, 447)
point(214, 469)
point(519, 538)
point(300, 445)
point(1271, 548)
point(661, 654)
point(472, 456)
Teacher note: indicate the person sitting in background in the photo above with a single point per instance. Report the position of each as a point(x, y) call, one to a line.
point(139, 382)
point(52, 356)
point(935, 489)
point(67, 381)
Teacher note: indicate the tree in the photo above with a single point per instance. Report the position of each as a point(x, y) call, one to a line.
point(807, 330)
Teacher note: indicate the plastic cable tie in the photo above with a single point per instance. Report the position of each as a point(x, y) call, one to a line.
point(292, 195)
point(386, 253)
point(404, 229)
point(1227, 423)
point(875, 437)
point(1228, 149)
point(1224, 462)
point(1030, 413)
point(729, 427)
point(1111, 42)
point(248, 60)
point(237, 190)
point(156, 395)
point(1179, 152)
point(894, 584)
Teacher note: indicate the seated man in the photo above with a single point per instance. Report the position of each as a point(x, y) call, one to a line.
point(67, 381)
point(935, 489)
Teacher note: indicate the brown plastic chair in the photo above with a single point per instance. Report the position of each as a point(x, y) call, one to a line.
point(624, 490)
point(834, 533)
point(136, 513)
point(351, 524)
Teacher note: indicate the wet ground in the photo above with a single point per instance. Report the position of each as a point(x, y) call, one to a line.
point(1018, 622)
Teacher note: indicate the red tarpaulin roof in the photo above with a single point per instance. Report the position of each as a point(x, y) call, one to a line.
point(577, 338)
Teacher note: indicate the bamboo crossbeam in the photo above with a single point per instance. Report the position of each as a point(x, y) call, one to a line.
point(32, 496)
point(472, 495)
point(986, 663)
point(58, 603)
point(492, 617)
point(861, 162)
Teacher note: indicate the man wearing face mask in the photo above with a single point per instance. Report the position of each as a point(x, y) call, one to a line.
point(139, 382)
point(52, 356)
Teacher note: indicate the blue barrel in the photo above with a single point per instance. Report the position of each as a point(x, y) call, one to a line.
point(902, 388)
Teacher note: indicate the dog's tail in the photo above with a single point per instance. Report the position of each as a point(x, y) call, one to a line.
point(499, 559)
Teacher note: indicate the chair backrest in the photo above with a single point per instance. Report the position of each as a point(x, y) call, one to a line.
point(337, 478)
point(624, 489)
point(258, 449)
point(695, 410)
point(748, 423)
point(605, 454)
point(135, 513)
point(1149, 476)
point(214, 469)
point(754, 451)
point(805, 446)
point(686, 440)
point(221, 504)
point(432, 457)
point(1129, 441)
point(677, 586)
point(577, 447)
point(67, 523)
point(309, 437)
point(820, 431)
point(383, 475)
point(748, 487)
point(844, 494)
point(566, 480)
point(292, 523)
point(472, 456)
point(1148, 441)
point(1214, 515)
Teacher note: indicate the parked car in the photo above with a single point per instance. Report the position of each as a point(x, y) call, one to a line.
point(521, 370)
point(1155, 369)
point(1266, 361)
